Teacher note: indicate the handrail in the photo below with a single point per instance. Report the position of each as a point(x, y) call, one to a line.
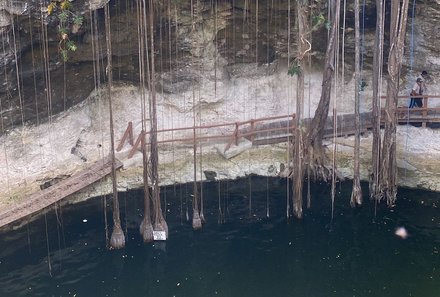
point(234, 136)
point(222, 125)
point(404, 114)
point(409, 97)
point(416, 111)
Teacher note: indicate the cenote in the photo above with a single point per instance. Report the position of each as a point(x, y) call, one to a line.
point(247, 247)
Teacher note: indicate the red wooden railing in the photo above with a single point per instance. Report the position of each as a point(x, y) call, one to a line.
point(422, 114)
point(251, 128)
point(236, 130)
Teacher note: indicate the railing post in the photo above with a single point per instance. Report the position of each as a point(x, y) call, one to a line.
point(128, 133)
point(234, 138)
point(136, 144)
point(425, 110)
point(293, 127)
point(236, 133)
point(252, 131)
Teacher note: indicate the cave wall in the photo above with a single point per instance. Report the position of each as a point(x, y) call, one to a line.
point(234, 66)
point(225, 33)
point(215, 35)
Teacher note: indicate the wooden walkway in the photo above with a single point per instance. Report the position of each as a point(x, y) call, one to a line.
point(55, 193)
point(277, 129)
point(277, 132)
point(270, 130)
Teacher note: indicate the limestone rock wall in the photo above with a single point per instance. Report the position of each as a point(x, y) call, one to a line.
point(222, 61)
point(190, 46)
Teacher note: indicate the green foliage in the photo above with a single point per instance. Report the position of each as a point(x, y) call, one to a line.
point(318, 20)
point(78, 20)
point(51, 7)
point(64, 55)
point(65, 5)
point(62, 30)
point(63, 16)
point(295, 69)
point(71, 46)
point(68, 23)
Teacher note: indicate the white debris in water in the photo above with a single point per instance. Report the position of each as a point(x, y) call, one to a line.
point(85, 221)
point(401, 232)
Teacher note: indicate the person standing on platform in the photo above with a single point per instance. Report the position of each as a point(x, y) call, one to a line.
point(417, 93)
point(425, 79)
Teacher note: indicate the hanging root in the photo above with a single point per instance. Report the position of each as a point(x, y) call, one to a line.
point(356, 194)
point(196, 221)
point(202, 217)
point(318, 167)
point(146, 230)
point(391, 195)
point(324, 172)
point(117, 240)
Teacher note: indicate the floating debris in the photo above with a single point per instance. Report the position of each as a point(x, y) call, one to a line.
point(401, 232)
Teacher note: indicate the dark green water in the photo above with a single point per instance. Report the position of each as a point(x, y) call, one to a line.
point(356, 255)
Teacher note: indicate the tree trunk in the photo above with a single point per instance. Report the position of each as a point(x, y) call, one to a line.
point(313, 145)
point(298, 149)
point(377, 90)
point(399, 11)
point(356, 194)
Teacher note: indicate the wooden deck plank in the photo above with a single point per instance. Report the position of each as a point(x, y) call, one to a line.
point(58, 191)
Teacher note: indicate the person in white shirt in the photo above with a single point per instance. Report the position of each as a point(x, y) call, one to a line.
point(416, 93)
point(425, 79)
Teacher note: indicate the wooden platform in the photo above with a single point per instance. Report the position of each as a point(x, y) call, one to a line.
point(57, 192)
point(277, 132)
point(280, 131)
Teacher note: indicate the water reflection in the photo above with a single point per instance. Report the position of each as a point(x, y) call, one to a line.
point(249, 254)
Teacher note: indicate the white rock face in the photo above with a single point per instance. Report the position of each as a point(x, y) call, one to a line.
point(78, 137)
point(97, 4)
point(5, 19)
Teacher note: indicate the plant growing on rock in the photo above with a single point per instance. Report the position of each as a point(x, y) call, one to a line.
point(68, 23)
point(317, 22)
